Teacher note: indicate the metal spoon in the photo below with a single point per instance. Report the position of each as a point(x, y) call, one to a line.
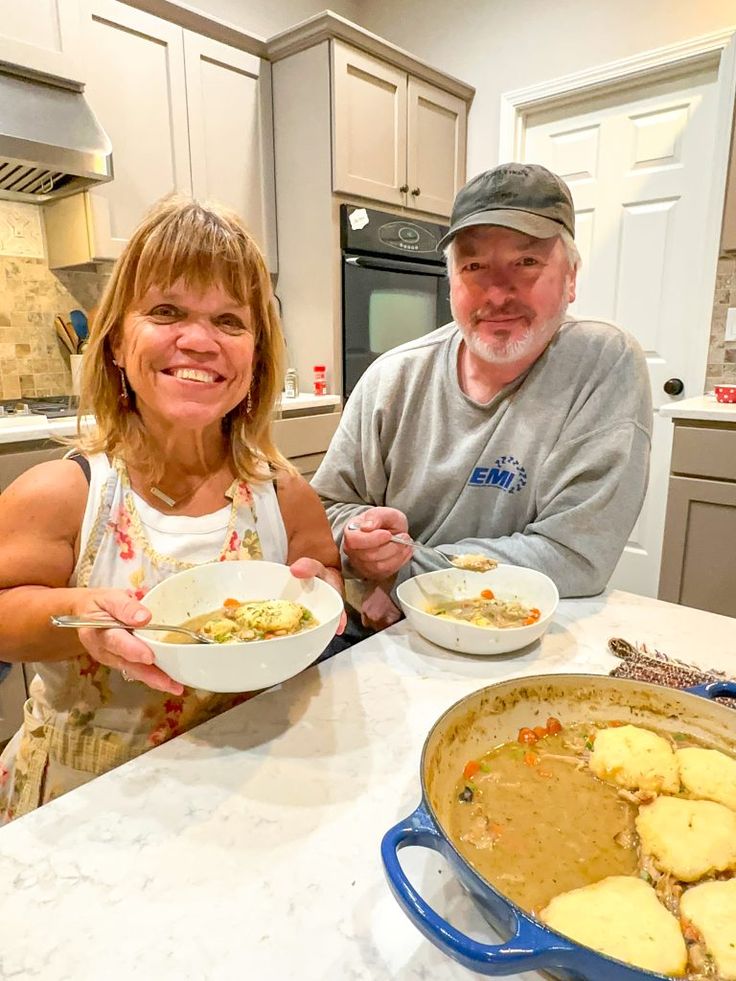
point(434, 552)
point(104, 623)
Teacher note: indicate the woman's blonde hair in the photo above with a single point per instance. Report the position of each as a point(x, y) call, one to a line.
point(203, 246)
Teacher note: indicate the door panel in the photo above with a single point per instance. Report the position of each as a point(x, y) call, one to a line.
point(134, 69)
point(435, 147)
point(229, 106)
point(41, 35)
point(369, 126)
point(634, 162)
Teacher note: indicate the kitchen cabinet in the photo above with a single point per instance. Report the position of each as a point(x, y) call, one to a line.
point(397, 139)
point(231, 134)
point(13, 695)
point(16, 458)
point(41, 35)
point(184, 113)
point(698, 560)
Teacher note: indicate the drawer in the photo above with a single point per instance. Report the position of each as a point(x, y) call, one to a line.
point(304, 435)
point(704, 451)
point(12, 698)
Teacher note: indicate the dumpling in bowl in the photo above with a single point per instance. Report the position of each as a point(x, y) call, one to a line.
point(268, 616)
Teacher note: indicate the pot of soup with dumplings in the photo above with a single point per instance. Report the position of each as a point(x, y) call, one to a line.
point(591, 819)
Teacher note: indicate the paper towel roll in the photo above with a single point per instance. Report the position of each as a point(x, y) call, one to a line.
point(76, 365)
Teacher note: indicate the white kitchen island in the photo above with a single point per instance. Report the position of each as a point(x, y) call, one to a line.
point(249, 847)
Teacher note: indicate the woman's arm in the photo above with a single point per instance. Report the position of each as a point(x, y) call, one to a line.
point(40, 520)
point(307, 528)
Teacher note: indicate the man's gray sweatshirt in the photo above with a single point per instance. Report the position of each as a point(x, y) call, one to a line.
point(550, 474)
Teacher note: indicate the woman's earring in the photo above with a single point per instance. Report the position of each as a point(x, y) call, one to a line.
point(248, 404)
point(124, 396)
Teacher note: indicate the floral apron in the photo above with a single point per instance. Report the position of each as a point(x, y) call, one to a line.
point(82, 719)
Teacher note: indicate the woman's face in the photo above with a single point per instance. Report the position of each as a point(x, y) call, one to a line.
point(188, 356)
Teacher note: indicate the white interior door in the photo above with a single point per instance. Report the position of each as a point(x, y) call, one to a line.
point(636, 164)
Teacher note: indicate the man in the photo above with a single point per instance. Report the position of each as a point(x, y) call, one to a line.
point(515, 431)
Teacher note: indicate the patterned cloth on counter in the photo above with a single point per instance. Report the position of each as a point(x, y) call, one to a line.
point(641, 664)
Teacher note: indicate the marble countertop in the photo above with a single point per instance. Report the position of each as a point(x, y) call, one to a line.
point(701, 407)
point(249, 847)
point(38, 427)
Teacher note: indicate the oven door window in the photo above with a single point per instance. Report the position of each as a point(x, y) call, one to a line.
point(382, 309)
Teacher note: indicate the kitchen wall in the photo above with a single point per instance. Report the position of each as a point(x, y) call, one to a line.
point(32, 359)
point(499, 46)
point(722, 354)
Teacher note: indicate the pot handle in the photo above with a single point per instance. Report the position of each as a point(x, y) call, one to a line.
point(531, 946)
point(714, 688)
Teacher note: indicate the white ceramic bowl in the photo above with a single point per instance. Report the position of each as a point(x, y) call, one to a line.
point(508, 582)
point(251, 665)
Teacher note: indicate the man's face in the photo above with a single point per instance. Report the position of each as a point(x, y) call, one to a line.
point(509, 293)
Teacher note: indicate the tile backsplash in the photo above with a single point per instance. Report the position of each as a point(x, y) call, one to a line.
point(32, 360)
point(722, 353)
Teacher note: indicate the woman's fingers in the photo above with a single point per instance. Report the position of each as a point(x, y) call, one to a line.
point(119, 650)
point(150, 675)
point(305, 568)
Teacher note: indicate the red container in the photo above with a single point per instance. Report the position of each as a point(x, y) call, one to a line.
point(726, 393)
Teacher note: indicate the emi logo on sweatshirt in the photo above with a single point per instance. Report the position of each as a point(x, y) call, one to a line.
point(507, 474)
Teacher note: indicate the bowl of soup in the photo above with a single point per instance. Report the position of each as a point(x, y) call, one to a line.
point(266, 625)
point(483, 613)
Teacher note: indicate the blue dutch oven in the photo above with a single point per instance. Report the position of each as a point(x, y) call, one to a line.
point(493, 716)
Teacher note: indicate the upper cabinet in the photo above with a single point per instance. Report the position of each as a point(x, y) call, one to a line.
point(397, 138)
point(134, 70)
point(184, 113)
point(231, 133)
point(42, 35)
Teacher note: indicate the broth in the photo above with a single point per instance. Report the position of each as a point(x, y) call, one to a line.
point(534, 831)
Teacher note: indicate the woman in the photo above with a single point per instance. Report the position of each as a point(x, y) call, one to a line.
point(181, 373)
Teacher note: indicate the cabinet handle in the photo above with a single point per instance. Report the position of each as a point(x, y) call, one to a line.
point(416, 191)
point(404, 188)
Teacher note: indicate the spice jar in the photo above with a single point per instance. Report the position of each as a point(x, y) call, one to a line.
point(320, 379)
point(291, 384)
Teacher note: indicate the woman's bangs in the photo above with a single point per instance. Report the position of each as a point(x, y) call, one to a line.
point(173, 254)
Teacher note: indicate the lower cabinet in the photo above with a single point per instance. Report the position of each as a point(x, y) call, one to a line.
point(12, 697)
point(698, 558)
point(16, 458)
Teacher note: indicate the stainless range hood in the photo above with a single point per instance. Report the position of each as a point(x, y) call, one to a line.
point(51, 144)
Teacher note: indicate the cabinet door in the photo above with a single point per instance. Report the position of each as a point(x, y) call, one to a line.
point(133, 64)
point(42, 35)
point(369, 126)
point(698, 560)
point(435, 147)
point(13, 695)
point(231, 134)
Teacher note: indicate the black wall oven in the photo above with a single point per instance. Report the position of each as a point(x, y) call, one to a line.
point(394, 286)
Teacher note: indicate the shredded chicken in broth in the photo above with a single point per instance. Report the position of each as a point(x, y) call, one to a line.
point(535, 822)
point(487, 611)
point(474, 563)
point(236, 621)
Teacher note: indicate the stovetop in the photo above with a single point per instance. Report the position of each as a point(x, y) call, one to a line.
point(51, 406)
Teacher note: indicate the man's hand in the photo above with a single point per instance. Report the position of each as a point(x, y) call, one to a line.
point(378, 610)
point(371, 552)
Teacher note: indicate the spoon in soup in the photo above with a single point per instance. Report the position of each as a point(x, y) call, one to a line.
point(466, 562)
point(105, 623)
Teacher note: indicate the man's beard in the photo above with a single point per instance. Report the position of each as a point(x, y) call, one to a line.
point(512, 349)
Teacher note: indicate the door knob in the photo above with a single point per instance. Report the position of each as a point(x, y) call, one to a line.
point(415, 191)
point(404, 188)
point(674, 386)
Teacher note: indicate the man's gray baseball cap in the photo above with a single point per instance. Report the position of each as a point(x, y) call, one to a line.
point(525, 197)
